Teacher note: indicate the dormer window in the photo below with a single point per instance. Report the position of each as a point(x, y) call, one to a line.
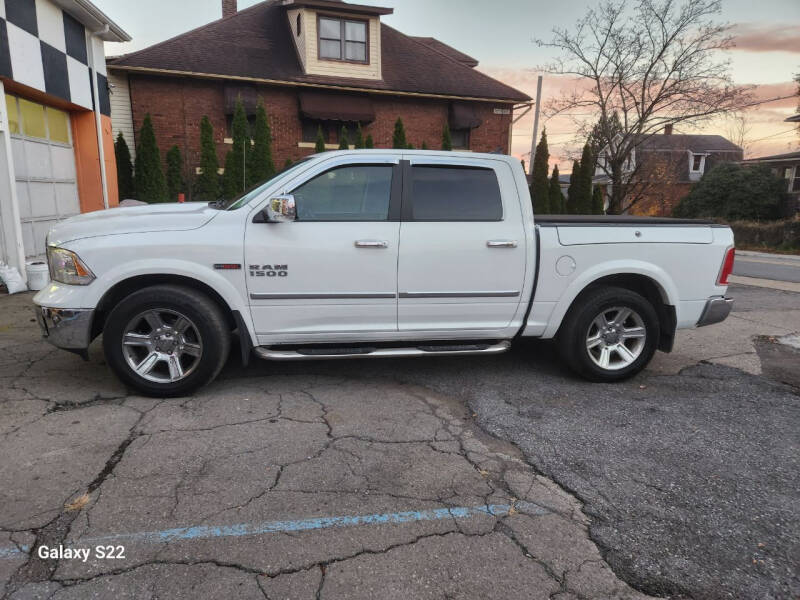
point(342, 39)
point(697, 165)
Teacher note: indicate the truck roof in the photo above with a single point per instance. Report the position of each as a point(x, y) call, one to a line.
point(438, 153)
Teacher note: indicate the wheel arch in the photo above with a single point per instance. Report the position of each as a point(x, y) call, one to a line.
point(123, 288)
point(658, 290)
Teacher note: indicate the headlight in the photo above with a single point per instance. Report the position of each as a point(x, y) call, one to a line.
point(67, 267)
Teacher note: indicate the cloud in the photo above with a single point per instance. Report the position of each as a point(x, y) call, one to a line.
point(751, 37)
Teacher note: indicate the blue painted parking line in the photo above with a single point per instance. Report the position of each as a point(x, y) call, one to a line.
point(245, 529)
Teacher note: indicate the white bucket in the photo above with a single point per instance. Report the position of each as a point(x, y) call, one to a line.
point(38, 275)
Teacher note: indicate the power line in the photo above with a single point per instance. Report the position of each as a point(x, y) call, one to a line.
point(773, 135)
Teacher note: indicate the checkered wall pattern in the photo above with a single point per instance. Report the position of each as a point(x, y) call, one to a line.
point(45, 48)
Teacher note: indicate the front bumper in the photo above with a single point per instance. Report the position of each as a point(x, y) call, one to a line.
point(67, 328)
point(717, 309)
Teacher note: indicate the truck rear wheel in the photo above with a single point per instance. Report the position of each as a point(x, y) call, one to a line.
point(609, 334)
point(166, 340)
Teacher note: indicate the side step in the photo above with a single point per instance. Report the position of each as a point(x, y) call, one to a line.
point(373, 352)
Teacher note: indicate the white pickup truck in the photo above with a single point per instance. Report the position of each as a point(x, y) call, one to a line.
point(376, 253)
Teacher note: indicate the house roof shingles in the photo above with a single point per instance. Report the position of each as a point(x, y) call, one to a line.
point(694, 142)
point(256, 44)
point(440, 46)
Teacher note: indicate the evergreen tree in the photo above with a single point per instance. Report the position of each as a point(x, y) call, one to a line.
point(358, 143)
point(369, 142)
point(399, 137)
point(584, 201)
point(424, 145)
point(150, 183)
point(206, 185)
point(540, 183)
point(320, 145)
point(124, 168)
point(207, 182)
point(555, 197)
point(597, 200)
point(260, 166)
point(233, 180)
point(447, 141)
point(174, 174)
point(344, 143)
point(572, 190)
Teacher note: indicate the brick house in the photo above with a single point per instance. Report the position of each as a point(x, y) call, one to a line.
point(314, 63)
point(663, 167)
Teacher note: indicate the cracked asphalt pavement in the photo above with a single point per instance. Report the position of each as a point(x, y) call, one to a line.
point(479, 477)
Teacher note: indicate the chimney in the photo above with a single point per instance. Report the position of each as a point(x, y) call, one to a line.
point(228, 8)
point(667, 128)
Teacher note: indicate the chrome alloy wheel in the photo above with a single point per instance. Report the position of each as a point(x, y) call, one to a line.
point(616, 338)
point(162, 345)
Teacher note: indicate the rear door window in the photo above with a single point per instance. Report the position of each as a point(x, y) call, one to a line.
point(452, 193)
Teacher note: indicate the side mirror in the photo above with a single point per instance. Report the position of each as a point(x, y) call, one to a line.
point(280, 209)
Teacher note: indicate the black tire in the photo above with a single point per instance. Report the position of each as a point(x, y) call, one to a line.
point(577, 329)
point(205, 317)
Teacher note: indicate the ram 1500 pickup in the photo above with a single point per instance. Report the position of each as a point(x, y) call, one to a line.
point(376, 253)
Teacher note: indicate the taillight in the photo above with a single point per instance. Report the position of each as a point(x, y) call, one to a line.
point(727, 267)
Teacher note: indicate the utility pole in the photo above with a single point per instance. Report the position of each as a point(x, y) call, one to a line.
point(535, 126)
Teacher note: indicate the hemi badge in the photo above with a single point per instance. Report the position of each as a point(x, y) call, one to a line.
point(233, 266)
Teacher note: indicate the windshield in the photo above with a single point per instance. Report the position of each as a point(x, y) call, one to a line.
point(248, 195)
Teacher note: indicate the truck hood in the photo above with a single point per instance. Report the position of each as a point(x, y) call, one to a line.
point(132, 219)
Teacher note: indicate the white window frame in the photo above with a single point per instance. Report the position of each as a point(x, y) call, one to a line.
point(343, 41)
point(702, 156)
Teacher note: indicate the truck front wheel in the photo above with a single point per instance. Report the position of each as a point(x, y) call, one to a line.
point(609, 334)
point(166, 340)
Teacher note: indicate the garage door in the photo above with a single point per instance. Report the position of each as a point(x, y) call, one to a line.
point(44, 166)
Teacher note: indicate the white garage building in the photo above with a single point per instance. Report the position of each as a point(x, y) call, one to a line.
point(56, 145)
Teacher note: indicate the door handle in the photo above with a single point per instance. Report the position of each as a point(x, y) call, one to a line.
point(372, 244)
point(502, 243)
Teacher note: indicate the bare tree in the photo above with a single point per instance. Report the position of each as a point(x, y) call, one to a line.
point(653, 63)
point(739, 129)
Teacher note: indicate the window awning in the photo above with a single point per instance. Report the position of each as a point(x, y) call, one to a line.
point(463, 116)
point(247, 93)
point(336, 107)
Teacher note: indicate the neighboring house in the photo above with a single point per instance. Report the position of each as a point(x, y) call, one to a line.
point(54, 119)
point(663, 167)
point(314, 63)
point(786, 166)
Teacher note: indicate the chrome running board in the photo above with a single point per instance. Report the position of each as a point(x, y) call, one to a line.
point(323, 353)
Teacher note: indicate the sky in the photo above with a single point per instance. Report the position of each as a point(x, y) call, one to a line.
point(501, 35)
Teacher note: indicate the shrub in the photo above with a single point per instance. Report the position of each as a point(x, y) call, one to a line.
point(174, 173)
point(447, 141)
point(207, 182)
point(150, 183)
point(234, 179)
point(261, 165)
point(399, 137)
point(733, 193)
point(540, 184)
point(124, 168)
point(320, 145)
